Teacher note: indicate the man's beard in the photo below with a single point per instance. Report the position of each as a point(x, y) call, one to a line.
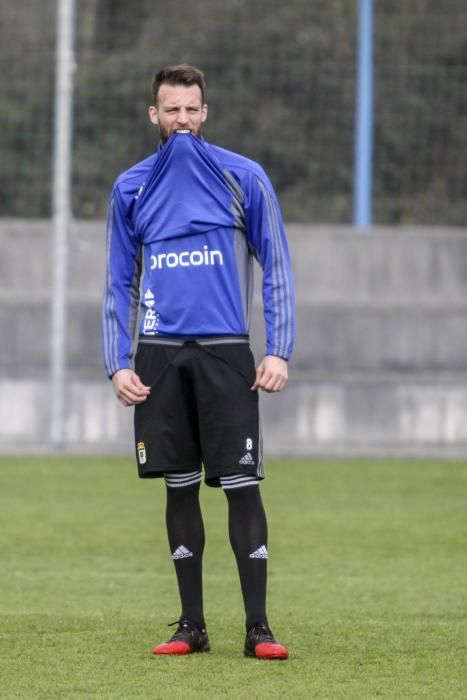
point(165, 133)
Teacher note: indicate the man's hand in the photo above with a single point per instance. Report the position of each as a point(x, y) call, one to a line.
point(271, 374)
point(129, 388)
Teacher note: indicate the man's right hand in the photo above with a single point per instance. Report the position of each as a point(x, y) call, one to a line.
point(129, 388)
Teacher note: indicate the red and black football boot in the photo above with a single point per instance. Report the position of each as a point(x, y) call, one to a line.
point(260, 644)
point(187, 639)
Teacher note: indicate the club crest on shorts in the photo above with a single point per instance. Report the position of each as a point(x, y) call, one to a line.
point(141, 449)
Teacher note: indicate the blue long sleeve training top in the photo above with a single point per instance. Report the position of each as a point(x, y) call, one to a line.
point(183, 228)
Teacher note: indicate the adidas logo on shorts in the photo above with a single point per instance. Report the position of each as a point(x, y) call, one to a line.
point(182, 553)
point(247, 459)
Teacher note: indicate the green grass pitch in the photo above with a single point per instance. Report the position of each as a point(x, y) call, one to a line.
point(367, 584)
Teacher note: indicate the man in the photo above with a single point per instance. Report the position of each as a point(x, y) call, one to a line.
point(183, 228)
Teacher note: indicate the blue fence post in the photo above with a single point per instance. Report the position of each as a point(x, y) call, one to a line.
point(363, 145)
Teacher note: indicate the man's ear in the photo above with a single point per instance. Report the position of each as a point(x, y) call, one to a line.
point(153, 115)
point(205, 113)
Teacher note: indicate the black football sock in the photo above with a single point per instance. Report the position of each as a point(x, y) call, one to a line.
point(248, 532)
point(185, 531)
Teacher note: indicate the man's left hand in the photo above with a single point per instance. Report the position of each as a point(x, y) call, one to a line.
point(271, 374)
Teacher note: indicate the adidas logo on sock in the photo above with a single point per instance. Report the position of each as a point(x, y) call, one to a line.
point(247, 459)
point(261, 553)
point(182, 553)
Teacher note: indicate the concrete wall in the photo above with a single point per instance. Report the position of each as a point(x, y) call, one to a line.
point(380, 364)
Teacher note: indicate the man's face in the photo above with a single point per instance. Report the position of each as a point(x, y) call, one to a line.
point(178, 108)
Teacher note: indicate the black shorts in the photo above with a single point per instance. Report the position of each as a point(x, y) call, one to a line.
point(201, 410)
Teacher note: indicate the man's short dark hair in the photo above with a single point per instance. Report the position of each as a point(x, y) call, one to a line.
point(182, 74)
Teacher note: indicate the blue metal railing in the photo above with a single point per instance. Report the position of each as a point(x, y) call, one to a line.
point(363, 154)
